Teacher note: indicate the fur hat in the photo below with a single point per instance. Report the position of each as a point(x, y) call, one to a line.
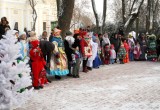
point(22, 33)
point(57, 30)
point(32, 37)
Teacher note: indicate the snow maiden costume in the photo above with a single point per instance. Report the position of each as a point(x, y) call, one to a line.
point(24, 47)
point(58, 62)
point(97, 61)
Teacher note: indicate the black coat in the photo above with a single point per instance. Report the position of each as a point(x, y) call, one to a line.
point(47, 49)
point(2, 30)
point(116, 43)
point(68, 50)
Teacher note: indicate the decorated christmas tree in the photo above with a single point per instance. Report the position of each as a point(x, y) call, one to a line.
point(14, 77)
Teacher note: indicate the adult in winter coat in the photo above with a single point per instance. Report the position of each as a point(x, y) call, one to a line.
point(143, 43)
point(158, 47)
point(4, 25)
point(68, 42)
point(47, 50)
point(116, 42)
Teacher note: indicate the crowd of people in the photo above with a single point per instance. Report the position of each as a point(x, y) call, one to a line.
point(59, 57)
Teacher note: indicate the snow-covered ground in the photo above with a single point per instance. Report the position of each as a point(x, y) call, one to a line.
point(132, 86)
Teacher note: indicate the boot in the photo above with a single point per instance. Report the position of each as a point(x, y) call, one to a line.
point(85, 69)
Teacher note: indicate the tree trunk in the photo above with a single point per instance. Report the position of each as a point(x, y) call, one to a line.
point(34, 19)
point(155, 8)
point(123, 11)
point(33, 3)
point(95, 14)
point(134, 14)
point(65, 11)
point(104, 14)
point(137, 26)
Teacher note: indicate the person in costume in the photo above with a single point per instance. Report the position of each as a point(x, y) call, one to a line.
point(121, 53)
point(131, 43)
point(107, 54)
point(94, 47)
point(58, 63)
point(112, 54)
point(126, 46)
point(152, 52)
point(106, 40)
point(24, 47)
point(137, 51)
point(68, 42)
point(97, 61)
point(38, 63)
point(86, 49)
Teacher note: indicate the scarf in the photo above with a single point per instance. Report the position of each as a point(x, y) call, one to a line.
point(70, 40)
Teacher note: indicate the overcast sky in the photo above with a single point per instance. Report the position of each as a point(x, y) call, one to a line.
point(99, 7)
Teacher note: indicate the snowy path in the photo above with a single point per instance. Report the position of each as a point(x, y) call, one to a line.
point(133, 86)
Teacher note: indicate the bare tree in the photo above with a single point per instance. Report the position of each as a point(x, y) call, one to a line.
point(95, 14)
point(64, 13)
point(33, 4)
point(104, 13)
point(134, 14)
point(123, 11)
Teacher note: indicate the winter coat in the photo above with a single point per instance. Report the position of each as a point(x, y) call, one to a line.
point(47, 49)
point(116, 42)
point(2, 30)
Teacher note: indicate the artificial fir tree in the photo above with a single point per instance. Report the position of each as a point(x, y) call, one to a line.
point(14, 77)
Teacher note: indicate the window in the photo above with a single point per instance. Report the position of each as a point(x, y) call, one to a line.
point(44, 26)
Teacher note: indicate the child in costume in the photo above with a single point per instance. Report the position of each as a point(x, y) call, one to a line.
point(24, 47)
point(86, 49)
point(121, 53)
point(106, 54)
point(152, 52)
point(131, 43)
point(38, 63)
point(137, 51)
point(112, 55)
point(126, 46)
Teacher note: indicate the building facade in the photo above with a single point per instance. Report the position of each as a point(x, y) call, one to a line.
point(19, 14)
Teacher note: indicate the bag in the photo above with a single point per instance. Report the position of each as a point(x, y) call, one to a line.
point(88, 51)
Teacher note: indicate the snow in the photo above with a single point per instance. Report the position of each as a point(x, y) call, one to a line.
point(133, 86)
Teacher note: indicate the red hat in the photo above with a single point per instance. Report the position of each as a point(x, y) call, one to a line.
point(76, 31)
point(35, 43)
